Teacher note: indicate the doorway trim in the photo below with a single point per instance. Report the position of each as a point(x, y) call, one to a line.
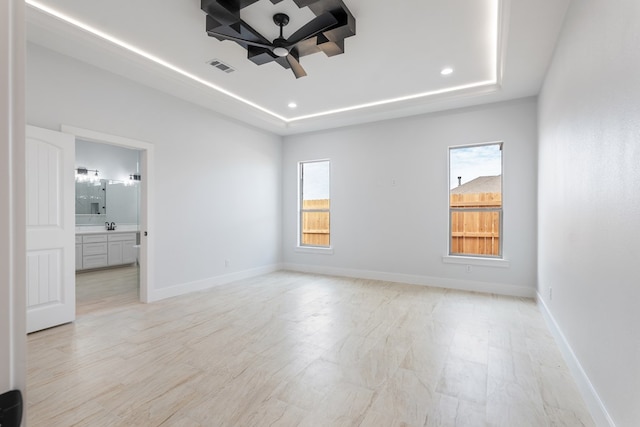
point(146, 198)
point(13, 253)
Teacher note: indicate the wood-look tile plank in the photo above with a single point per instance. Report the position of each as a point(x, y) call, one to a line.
point(292, 349)
point(448, 411)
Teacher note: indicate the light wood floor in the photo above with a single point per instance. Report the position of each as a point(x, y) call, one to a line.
point(106, 290)
point(290, 349)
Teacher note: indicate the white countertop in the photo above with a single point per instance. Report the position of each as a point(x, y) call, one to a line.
point(93, 229)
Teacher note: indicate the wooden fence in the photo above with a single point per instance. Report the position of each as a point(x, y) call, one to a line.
point(315, 225)
point(475, 233)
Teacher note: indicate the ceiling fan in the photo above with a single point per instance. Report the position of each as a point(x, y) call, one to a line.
point(286, 48)
point(326, 32)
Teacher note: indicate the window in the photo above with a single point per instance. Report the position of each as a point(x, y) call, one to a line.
point(314, 204)
point(475, 200)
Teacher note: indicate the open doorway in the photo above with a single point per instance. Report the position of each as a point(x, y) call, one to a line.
point(107, 226)
point(133, 257)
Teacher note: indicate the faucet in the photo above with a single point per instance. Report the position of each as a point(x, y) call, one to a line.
point(110, 227)
point(113, 226)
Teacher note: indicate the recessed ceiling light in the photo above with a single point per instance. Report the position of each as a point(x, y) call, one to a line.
point(292, 105)
point(446, 71)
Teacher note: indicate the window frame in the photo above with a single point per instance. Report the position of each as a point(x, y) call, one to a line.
point(302, 247)
point(468, 257)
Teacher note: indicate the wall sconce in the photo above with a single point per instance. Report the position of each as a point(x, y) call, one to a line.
point(85, 171)
point(135, 177)
point(82, 174)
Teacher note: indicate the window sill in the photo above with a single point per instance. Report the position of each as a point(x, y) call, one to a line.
point(469, 260)
point(313, 250)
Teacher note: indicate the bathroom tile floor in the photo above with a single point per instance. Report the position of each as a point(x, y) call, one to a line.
point(292, 349)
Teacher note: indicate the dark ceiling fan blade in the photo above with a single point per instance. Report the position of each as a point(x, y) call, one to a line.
point(313, 28)
point(240, 40)
point(297, 69)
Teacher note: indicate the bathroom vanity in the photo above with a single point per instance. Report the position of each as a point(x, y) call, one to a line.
point(98, 248)
point(106, 223)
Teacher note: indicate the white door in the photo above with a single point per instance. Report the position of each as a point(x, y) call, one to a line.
point(51, 296)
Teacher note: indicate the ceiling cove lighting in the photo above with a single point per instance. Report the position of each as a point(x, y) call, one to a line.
point(394, 100)
point(131, 48)
point(496, 7)
point(495, 59)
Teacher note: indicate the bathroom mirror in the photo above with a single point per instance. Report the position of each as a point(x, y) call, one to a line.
point(107, 200)
point(90, 197)
point(123, 201)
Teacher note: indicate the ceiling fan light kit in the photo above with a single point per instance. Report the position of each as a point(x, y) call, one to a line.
point(325, 33)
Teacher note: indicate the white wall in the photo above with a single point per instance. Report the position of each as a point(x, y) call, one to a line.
point(217, 182)
point(589, 199)
point(400, 231)
point(13, 303)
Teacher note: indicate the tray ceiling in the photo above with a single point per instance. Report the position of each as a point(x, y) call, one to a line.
point(498, 50)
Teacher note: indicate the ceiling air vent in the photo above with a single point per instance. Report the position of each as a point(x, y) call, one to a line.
point(221, 66)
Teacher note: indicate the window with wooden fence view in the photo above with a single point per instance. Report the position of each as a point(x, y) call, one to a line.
point(315, 204)
point(475, 200)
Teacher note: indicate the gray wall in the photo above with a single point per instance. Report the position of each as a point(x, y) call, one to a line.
point(589, 199)
point(389, 197)
point(217, 182)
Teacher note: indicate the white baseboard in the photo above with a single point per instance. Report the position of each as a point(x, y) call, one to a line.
point(594, 404)
point(438, 282)
point(200, 285)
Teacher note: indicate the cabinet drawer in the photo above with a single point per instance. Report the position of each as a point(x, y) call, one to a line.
point(78, 239)
point(94, 261)
point(97, 238)
point(122, 237)
point(94, 249)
